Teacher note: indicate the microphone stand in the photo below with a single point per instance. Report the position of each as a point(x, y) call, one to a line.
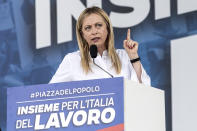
point(103, 69)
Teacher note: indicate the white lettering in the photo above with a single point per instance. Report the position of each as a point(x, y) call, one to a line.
point(66, 121)
point(23, 124)
point(68, 9)
point(43, 23)
point(109, 119)
point(186, 6)
point(65, 10)
point(93, 116)
point(38, 126)
point(162, 9)
point(140, 12)
point(83, 118)
point(79, 118)
point(53, 121)
point(97, 3)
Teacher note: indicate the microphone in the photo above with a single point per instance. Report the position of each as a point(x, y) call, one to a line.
point(93, 53)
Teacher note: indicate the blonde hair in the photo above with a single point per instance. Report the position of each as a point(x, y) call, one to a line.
point(84, 47)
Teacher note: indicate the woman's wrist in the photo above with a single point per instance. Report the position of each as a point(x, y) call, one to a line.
point(135, 60)
point(133, 56)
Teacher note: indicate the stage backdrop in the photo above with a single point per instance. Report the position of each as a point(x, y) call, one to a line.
point(35, 35)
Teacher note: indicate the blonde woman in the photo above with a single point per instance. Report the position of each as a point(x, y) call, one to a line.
point(94, 27)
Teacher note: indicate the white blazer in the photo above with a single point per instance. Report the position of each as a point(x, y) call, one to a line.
point(70, 68)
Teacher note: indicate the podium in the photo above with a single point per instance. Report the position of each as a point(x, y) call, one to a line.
point(144, 107)
point(112, 104)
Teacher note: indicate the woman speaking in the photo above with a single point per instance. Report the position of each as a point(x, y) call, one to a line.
point(97, 57)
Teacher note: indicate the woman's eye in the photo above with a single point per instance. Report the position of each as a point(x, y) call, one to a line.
point(99, 25)
point(87, 28)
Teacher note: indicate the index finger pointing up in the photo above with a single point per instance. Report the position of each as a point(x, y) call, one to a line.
point(128, 34)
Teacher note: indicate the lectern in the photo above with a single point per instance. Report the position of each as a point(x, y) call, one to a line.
point(112, 104)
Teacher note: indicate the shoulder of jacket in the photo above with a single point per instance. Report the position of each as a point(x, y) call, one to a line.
point(73, 54)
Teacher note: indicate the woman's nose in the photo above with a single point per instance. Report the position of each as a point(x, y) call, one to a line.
point(94, 30)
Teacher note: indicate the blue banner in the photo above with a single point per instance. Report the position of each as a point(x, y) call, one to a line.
point(78, 106)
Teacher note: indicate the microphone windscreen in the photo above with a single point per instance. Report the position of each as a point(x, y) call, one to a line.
point(93, 51)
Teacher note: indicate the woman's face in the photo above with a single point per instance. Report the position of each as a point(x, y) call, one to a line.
point(94, 30)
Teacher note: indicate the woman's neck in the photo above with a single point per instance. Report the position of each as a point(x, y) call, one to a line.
point(100, 50)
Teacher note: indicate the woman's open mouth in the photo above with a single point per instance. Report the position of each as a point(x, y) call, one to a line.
point(96, 39)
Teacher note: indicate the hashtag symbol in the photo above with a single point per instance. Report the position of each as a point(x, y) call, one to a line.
point(32, 95)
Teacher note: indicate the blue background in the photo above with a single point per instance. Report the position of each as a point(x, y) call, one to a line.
point(21, 64)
